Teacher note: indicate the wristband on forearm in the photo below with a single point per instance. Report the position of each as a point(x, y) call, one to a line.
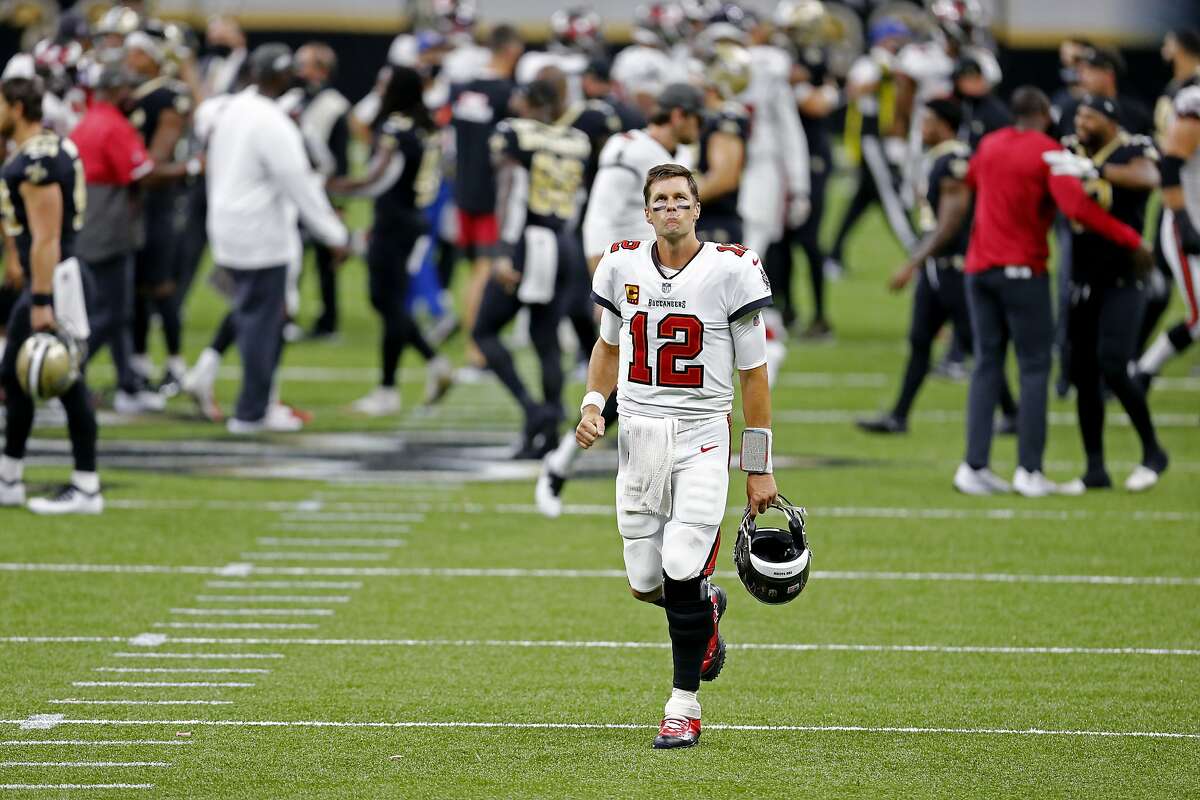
point(593, 399)
point(756, 451)
point(40, 299)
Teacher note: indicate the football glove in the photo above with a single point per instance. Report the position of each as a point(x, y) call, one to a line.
point(1064, 162)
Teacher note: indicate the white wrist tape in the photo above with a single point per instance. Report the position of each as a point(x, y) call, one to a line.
point(593, 399)
point(756, 451)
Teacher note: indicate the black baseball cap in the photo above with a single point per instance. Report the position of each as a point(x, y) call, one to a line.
point(966, 67)
point(1103, 105)
point(683, 96)
point(1105, 58)
point(599, 68)
point(946, 109)
point(270, 60)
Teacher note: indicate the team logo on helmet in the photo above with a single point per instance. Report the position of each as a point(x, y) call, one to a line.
point(48, 365)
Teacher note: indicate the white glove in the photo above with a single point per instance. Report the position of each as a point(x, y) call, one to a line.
point(798, 210)
point(1064, 162)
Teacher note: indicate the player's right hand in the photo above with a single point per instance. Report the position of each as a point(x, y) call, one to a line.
point(41, 318)
point(591, 428)
point(900, 279)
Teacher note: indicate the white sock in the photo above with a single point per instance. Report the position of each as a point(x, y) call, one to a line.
point(1156, 355)
point(86, 481)
point(683, 704)
point(12, 470)
point(562, 459)
point(142, 365)
point(176, 365)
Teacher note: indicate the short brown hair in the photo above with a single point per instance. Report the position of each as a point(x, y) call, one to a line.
point(664, 171)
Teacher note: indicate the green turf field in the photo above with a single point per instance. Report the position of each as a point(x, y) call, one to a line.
point(431, 636)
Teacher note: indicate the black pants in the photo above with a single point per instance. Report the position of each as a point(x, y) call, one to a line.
point(327, 274)
point(496, 310)
point(387, 269)
point(193, 238)
point(808, 236)
point(259, 298)
point(577, 305)
point(1103, 327)
point(940, 297)
point(156, 273)
point(1004, 307)
point(113, 313)
point(877, 181)
point(19, 407)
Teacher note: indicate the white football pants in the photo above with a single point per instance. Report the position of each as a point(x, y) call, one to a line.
point(684, 544)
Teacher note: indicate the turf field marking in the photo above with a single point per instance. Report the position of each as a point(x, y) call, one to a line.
point(283, 584)
point(839, 416)
point(59, 639)
point(518, 572)
point(768, 646)
point(326, 527)
point(71, 786)
point(92, 742)
point(170, 684)
point(307, 556)
point(72, 701)
point(85, 763)
point(277, 541)
point(276, 626)
point(203, 656)
point(41, 722)
point(188, 670)
point(253, 612)
point(470, 725)
point(271, 598)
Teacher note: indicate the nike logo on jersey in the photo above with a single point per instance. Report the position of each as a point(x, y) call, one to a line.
point(706, 448)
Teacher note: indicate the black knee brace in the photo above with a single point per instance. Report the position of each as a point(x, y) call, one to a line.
point(690, 624)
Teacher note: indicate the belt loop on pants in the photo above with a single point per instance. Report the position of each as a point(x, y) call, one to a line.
point(1018, 272)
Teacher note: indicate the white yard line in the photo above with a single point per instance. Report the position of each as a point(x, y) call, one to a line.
point(844, 416)
point(275, 626)
point(271, 598)
point(168, 684)
point(288, 541)
point(351, 516)
point(318, 556)
point(58, 787)
point(283, 584)
point(85, 763)
point(203, 656)
point(252, 612)
point(181, 670)
point(326, 527)
point(475, 725)
point(767, 646)
point(92, 742)
point(72, 701)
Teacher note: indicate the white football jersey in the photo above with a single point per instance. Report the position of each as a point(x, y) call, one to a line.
point(677, 350)
point(616, 208)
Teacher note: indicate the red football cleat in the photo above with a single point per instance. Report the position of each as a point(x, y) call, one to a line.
point(714, 654)
point(677, 732)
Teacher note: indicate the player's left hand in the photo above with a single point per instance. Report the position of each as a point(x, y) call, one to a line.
point(900, 278)
point(761, 491)
point(41, 318)
point(506, 274)
point(1143, 260)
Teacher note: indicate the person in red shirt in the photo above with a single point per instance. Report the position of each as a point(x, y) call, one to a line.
point(1017, 191)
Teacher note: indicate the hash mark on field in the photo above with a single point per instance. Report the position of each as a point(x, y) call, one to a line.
point(350, 516)
point(271, 598)
point(168, 684)
point(325, 527)
point(276, 626)
point(72, 701)
point(253, 612)
point(85, 763)
point(287, 541)
point(283, 584)
point(469, 725)
point(92, 742)
point(305, 556)
point(223, 656)
point(191, 670)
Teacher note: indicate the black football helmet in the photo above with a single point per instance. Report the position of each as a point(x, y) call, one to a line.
point(773, 563)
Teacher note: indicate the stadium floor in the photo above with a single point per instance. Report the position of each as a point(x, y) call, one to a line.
point(331, 616)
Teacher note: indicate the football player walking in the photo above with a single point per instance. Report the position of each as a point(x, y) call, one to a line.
point(679, 318)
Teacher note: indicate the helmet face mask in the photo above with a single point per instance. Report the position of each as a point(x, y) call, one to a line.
point(48, 365)
point(772, 563)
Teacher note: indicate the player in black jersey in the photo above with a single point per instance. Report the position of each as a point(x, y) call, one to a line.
point(598, 120)
point(723, 135)
point(160, 110)
point(937, 262)
point(42, 199)
point(540, 168)
point(402, 177)
point(1106, 292)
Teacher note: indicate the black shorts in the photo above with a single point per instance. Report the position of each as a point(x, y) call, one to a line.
point(158, 262)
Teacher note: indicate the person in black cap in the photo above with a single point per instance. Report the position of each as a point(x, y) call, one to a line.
point(1106, 293)
point(983, 112)
point(1100, 71)
point(597, 85)
point(940, 297)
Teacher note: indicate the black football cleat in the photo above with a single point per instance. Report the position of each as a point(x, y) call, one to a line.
point(886, 423)
point(714, 654)
point(677, 732)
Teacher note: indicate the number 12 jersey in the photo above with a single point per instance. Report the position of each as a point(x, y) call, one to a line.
point(677, 345)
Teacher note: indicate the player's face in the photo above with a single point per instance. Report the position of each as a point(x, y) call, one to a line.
point(673, 210)
point(931, 129)
point(7, 121)
point(687, 127)
point(1092, 127)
